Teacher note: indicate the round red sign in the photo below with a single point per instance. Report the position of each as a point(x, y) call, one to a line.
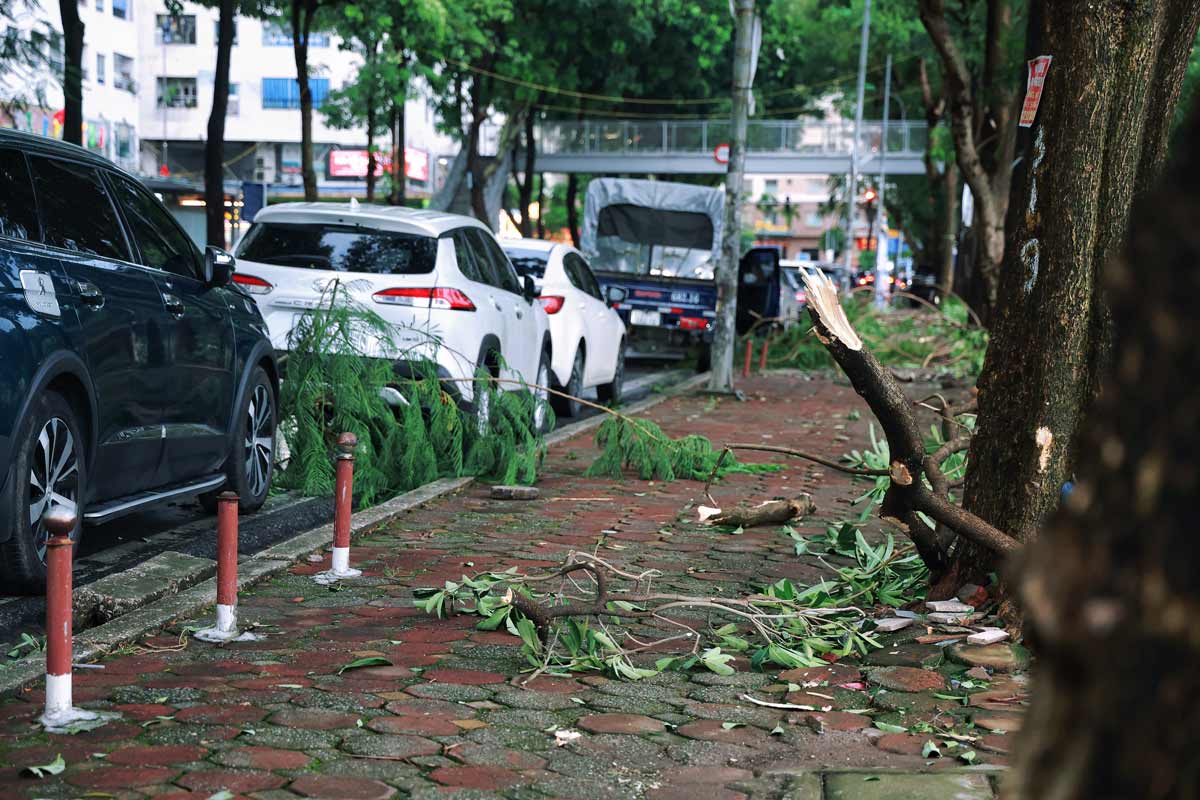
point(721, 154)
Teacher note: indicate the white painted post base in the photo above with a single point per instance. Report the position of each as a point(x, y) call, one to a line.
point(61, 716)
point(226, 628)
point(339, 569)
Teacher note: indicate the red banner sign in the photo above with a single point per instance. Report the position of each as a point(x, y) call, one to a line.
point(353, 164)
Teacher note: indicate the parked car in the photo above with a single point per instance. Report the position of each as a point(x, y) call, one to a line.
point(441, 281)
point(587, 333)
point(132, 370)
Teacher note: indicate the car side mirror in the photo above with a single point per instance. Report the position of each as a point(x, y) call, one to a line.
point(529, 289)
point(616, 294)
point(218, 267)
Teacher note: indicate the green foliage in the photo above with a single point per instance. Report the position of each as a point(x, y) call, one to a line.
point(334, 383)
point(907, 338)
point(642, 446)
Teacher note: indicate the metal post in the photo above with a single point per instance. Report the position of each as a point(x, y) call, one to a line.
point(61, 714)
point(342, 498)
point(762, 358)
point(227, 567)
point(748, 357)
point(882, 289)
point(852, 189)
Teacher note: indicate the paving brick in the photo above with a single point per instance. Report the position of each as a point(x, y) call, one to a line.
point(475, 777)
point(854, 786)
point(341, 787)
point(232, 780)
point(417, 724)
point(313, 719)
point(464, 677)
point(905, 744)
point(220, 715)
point(620, 723)
point(266, 758)
point(103, 778)
point(907, 679)
point(159, 756)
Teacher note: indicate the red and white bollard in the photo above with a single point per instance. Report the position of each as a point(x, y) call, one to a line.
point(762, 357)
point(226, 629)
point(61, 713)
point(343, 496)
point(748, 357)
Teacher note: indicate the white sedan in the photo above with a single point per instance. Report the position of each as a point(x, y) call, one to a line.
point(587, 334)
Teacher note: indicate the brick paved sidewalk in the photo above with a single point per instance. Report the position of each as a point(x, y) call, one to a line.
point(274, 719)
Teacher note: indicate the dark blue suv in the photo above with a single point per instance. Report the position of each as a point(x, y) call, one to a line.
point(132, 370)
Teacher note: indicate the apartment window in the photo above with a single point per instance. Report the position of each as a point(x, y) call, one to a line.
point(217, 30)
point(101, 68)
point(176, 92)
point(123, 73)
point(232, 109)
point(122, 9)
point(285, 92)
point(814, 219)
point(275, 34)
point(176, 28)
point(100, 6)
point(771, 187)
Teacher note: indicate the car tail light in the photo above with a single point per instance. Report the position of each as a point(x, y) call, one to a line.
point(862, 281)
point(552, 303)
point(442, 297)
point(693, 323)
point(252, 284)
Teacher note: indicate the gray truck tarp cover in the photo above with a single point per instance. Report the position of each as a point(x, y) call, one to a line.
point(652, 227)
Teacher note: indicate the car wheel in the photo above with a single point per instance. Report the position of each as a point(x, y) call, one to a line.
point(610, 393)
point(570, 406)
point(49, 471)
point(251, 465)
point(541, 406)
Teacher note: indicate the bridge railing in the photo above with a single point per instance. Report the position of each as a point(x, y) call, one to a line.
point(792, 137)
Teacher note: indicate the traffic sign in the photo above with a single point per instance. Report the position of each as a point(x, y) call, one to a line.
point(721, 154)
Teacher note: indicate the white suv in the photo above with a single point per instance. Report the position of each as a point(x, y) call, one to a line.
point(440, 279)
point(587, 334)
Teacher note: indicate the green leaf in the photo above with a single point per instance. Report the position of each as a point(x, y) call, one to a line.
point(731, 725)
point(967, 756)
point(369, 661)
point(738, 530)
point(888, 727)
point(717, 662)
point(53, 768)
point(224, 794)
point(495, 620)
point(777, 730)
point(930, 750)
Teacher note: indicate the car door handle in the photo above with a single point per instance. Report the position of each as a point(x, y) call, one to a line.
point(520, 314)
point(495, 304)
point(174, 305)
point(90, 294)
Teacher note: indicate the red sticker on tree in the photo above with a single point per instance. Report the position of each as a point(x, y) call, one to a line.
point(1038, 68)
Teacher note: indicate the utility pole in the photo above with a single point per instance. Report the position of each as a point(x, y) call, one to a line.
point(852, 188)
point(721, 378)
point(882, 288)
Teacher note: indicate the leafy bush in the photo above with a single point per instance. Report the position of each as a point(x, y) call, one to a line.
point(907, 338)
point(644, 447)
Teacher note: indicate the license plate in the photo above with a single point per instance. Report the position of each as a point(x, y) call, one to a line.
point(645, 318)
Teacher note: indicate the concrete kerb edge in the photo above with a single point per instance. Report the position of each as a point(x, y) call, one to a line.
point(97, 642)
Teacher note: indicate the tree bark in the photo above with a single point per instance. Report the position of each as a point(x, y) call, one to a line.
point(214, 145)
point(525, 187)
point(947, 230)
point(474, 160)
point(302, 17)
point(371, 160)
point(541, 222)
point(1112, 588)
point(1091, 151)
point(72, 71)
point(399, 167)
point(721, 377)
point(572, 207)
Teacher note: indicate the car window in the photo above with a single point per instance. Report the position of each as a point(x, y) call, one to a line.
point(342, 248)
point(463, 254)
point(76, 210)
point(18, 211)
point(159, 239)
point(501, 268)
point(587, 281)
point(529, 262)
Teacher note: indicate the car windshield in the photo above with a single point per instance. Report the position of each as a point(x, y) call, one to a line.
point(529, 262)
point(341, 248)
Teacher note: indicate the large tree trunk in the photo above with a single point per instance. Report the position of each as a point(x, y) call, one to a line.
point(302, 15)
point(721, 377)
point(399, 167)
point(525, 186)
point(573, 208)
point(371, 160)
point(474, 160)
point(1111, 589)
point(214, 146)
point(946, 229)
point(72, 71)
point(1093, 148)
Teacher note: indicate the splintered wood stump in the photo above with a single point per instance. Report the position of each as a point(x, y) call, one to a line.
point(515, 493)
point(771, 512)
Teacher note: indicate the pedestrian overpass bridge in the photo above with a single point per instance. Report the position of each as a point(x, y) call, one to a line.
point(664, 147)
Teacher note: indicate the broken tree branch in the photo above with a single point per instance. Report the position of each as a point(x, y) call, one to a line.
point(771, 512)
point(787, 451)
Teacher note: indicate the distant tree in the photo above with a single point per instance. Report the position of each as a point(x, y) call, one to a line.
point(303, 14)
point(25, 61)
point(72, 82)
point(214, 144)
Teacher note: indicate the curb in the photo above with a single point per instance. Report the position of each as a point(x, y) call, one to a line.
point(94, 643)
